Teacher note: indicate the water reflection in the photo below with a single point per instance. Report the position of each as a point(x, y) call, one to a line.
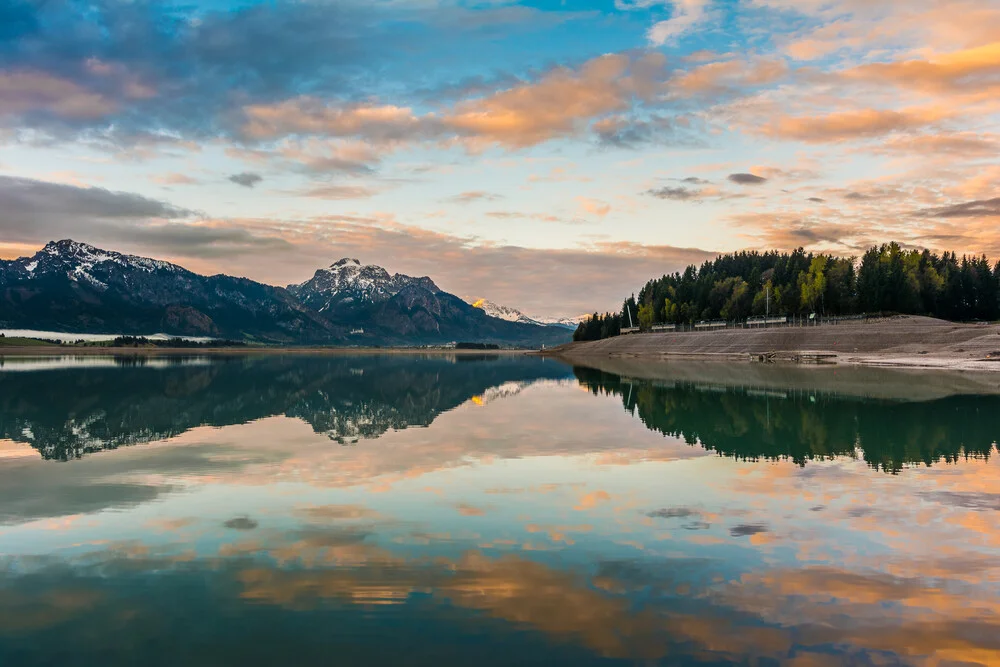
point(531, 519)
point(807, 424)
point(91, 404)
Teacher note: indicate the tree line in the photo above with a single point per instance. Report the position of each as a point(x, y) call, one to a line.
point(737, 286)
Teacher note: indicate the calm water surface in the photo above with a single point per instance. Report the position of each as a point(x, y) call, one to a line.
point(493, 510)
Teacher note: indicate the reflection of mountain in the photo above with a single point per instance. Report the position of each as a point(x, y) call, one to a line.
point(67, 413)
point(805, 425)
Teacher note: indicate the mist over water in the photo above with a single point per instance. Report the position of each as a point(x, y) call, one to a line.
point(493, 509)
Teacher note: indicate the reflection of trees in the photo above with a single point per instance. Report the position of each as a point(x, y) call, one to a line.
point(68, 413)
point(803, 426)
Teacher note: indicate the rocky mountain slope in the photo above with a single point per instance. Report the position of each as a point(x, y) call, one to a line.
point(75, 287)
point(399, 309)
point(70, 286)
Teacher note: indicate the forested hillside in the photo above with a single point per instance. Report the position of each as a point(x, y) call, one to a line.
point(888, 279)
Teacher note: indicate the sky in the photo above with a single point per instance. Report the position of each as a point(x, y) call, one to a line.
point(550, 155)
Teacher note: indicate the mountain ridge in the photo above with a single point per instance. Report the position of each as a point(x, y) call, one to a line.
point(512, 314)
point(78, 287)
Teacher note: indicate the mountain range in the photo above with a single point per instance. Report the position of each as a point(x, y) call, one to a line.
point(71, 286)
point(515, 315)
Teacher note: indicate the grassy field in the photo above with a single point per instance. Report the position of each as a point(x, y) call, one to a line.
point(25, 342)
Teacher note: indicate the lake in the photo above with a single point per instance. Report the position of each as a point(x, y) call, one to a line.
point(494, 510)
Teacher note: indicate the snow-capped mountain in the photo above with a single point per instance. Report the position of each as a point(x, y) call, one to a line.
point(401, 308)
point(71, 286)
point(503, 312)
point(80, 262)
point(347, 281)
point(75, 287)
point(505, 390)
point(514, 315)
point(569, 322)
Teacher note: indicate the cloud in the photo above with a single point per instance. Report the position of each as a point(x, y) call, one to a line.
point(675, 193)
point(175, 179)
point(27, 93)
point(474, 196)
point(736, 75)
point(975, 70)
point(685, 15)
point(321, 156)
point(746, 179)
point(561, 102)
point(40, 211)
point(247, 179)
point(629, 131)
point(338, 192)
point(953, 144)
point(849, 125)
point(970, 209)
point(313, 116)
point(594, 206)
point(145, 65)
point(35, 210)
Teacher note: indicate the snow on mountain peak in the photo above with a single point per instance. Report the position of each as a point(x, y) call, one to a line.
point(502, 312)
point(515, 315)
point(348, 280)
point(82, 261)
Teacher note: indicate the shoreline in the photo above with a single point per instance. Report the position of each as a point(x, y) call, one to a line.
point(903, 342)
point(69, 350)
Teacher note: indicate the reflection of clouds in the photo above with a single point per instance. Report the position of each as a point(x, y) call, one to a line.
point(528, 594)
point(689, 611)
point(469, 510)
point(914, 618)
point(282, 450)
point(589, 501)
point(241, 523)
point(32, 490)
point(324, 513)
point(779, 565)
point(27, 610)
point(973, 501)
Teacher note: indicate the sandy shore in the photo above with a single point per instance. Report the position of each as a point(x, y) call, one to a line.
point(899, 342)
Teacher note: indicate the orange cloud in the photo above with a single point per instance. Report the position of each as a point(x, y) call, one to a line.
point(974, 70)
point(559, 103)
point(848, 125)
point(311, 116)
point(594, 206)
point(717, 76)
